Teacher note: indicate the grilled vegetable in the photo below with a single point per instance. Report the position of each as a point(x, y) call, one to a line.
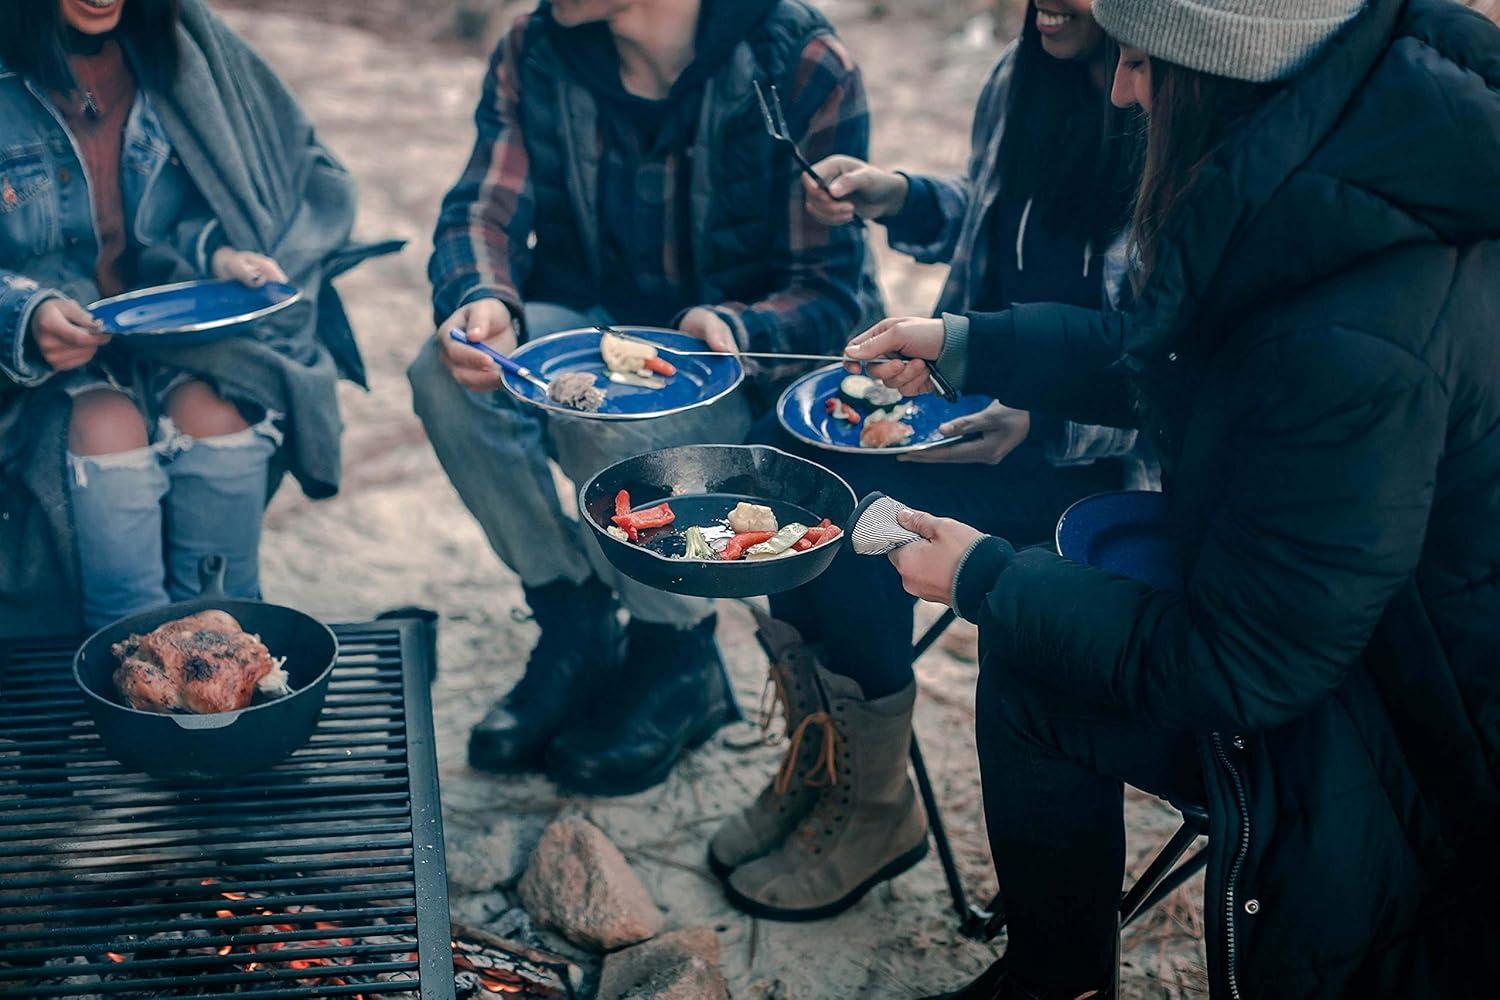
point(839, 411)
point(739, 543)
point(660, 366)
point(652, 517)
point(854, 388)
point(697, 545)
point(778, 544)
point(872, 391)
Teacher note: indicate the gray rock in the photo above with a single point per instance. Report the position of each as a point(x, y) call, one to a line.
point(682, 965)
point(481, 862)
point(580, 885)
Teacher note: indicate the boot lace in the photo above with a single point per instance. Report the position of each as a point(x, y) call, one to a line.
point(824, 770)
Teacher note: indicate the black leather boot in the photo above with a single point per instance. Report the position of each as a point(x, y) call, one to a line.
point(580, 642)
point(672, 695)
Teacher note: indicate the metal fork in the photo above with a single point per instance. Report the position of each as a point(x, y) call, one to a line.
point(776, 128)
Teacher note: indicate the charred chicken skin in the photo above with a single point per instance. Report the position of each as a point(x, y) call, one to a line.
point(200, 664)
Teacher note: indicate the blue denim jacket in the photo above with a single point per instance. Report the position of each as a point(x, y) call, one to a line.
point(48, 245)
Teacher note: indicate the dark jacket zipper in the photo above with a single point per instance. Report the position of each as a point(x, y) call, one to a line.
point(1234, 870)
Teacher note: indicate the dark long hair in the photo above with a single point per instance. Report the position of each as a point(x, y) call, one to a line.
point(1065, 146)
point(32, 34)
point(1192, 113)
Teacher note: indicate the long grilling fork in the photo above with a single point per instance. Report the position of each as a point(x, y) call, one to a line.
point(776, 128)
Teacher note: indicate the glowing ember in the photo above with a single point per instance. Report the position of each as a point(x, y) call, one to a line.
point(235, 895)
point(225, 950)
point(114, 956)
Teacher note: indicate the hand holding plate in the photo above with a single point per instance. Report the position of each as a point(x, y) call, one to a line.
point(66, 334)
point(250, 269)
point(709, 327)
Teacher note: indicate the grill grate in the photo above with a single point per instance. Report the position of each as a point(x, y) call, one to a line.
point(323, 875)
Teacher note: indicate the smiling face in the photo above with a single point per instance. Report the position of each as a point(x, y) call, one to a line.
point(1132, 84)
point(92, 17)
point(1068, 28)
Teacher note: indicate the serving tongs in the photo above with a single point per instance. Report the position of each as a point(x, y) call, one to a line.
point(939, 381)
point(776, 128)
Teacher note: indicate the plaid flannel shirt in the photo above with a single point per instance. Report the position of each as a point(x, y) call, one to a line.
point(480, 247)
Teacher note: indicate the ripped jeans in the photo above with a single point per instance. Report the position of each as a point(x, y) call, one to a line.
point(145, 518)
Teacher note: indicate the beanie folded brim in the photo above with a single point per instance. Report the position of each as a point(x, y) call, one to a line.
point(1258, 42)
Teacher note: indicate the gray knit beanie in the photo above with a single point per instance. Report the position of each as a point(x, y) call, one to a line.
point(1256, 40)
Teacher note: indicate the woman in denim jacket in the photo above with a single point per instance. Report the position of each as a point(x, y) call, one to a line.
point(164, 465)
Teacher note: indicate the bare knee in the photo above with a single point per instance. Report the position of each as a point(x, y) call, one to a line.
point(202, 413)
point(106, 422)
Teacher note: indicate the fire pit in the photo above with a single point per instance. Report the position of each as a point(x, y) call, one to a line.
point(323, 876)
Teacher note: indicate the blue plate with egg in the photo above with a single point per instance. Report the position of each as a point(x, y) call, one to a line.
point(700, 381)
point(803, 411)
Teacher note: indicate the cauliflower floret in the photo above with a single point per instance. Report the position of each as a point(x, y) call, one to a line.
point(752, 517)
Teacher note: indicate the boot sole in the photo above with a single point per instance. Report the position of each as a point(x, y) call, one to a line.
point(647, 779)
point(754, 908)
point(720, 869)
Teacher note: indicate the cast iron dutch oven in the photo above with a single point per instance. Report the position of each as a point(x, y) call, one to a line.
point(197, 748)
point(703, 483)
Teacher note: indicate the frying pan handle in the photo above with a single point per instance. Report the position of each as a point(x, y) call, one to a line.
point(218, 720)
point(211, 573)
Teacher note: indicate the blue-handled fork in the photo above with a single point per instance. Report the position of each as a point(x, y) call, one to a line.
point(505, 363)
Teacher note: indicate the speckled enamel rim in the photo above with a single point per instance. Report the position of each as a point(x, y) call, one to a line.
point(520, 357)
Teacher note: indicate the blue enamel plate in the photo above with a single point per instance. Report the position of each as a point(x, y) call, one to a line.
point(803, 411)
point(699, 380)
point(1125, 533)
point(190, 312)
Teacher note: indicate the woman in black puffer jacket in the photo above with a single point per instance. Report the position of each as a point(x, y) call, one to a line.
point(1316, 357)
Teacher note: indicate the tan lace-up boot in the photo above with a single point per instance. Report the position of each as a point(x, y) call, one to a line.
point(761, 826)
point(867, 827)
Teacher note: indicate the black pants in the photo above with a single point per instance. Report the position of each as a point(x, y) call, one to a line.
point(1053, 776)
point(858, 609)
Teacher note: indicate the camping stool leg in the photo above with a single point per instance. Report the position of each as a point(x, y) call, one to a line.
point(1134, 902)
point(1169, 885)
point(931, 635)
point(939, 835)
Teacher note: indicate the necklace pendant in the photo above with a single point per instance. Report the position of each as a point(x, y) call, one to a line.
point(90, 104)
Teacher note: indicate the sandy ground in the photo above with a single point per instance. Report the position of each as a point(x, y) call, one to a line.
point(398, 112)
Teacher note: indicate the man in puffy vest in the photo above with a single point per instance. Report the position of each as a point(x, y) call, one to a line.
point(623, 174)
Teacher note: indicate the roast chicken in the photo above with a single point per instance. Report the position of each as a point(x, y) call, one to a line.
point(200, 664)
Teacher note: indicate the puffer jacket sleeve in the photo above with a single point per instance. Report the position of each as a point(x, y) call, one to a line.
point(1054, 358)
point(19, 299)
point(1335, 438)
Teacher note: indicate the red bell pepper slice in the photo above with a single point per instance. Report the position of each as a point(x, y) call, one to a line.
point(653, 517)
point(739, 543)
point(622, 503)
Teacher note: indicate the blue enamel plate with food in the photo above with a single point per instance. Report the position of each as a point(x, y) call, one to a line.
point(629, 373)
point(837, 411)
